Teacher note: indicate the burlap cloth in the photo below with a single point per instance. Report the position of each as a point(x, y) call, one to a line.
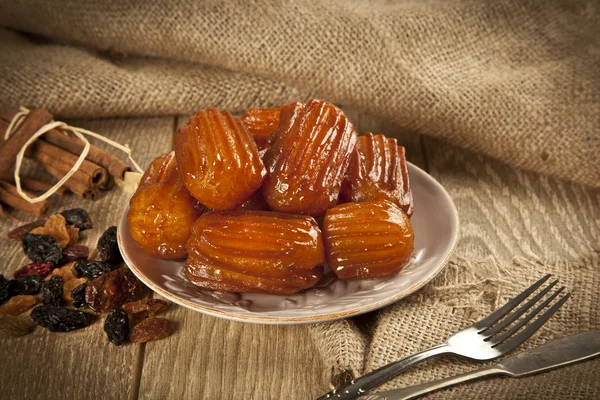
point(518, 81)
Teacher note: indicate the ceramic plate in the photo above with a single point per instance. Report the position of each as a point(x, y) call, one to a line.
point(435, 223)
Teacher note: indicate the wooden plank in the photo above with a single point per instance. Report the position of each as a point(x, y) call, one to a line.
point(81, 364)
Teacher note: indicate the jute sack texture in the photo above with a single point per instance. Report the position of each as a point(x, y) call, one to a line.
point(515, 80)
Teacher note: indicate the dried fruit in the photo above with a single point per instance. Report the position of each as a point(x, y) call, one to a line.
point(67, 272)
point(14, 326)
point(113, 290)
point(52, 291)
point(18, 305)
point(307, 158)
point(56, 226)
point(4, 289)
point(73, 234)
point(70, 285)
point(378, 171)
point(367, 240)
point(78, 217)
point(57, 319)
point(78, 295)
point(30, 284)
point(17, 233)
point(108, 248)
point(42, 269)
point(91, 269)
point(116, 326)
point(255, 251)
point(162, 211)
point(261, 123)
point(74, 253)
point(218, 160)
point(150, 329)
point(41, 248)
point(144, 308)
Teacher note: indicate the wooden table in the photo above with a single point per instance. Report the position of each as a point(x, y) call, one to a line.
point(211, 358)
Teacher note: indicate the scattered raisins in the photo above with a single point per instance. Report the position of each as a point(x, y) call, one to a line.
point(116, 326)
point(145, 308)
point(91, 269)
point(52, 291)
point(18, 305)
point(4, 289)
point(78, 295)
point(30, 284)
point(57, 319)
point(74, 253)
point(108, 248)
point(41, 248)
point(78, 217)
point(114, 289)
point(17, 233)
point(41, 268)
point(150, 329)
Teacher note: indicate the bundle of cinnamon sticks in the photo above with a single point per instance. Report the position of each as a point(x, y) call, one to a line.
point(56, 152)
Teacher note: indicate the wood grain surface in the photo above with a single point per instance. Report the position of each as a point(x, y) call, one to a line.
point(211, 358)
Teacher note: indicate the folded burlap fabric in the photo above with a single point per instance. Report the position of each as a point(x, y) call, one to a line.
point(516, 80)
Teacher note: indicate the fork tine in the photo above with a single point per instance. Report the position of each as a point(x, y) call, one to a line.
point(531, 329)
point(520, 311)
point(495, 341)
point(508, 307)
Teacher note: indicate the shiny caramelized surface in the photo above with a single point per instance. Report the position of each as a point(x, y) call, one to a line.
point(255, 251)
point(218, 159)
point(307, 158)
point(367, 240)
point(161, 212)
point(261, 123)
point(378, 171)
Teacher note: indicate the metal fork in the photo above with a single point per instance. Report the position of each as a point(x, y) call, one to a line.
point(489, 338)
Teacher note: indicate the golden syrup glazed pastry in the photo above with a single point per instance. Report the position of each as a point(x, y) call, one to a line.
point(261, 123)
point(307, 158)
point(162, 211)
point(218, 160)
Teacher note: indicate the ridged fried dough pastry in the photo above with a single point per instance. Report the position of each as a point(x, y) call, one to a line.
point(255, 251)
point(307, 158)
point(261, 123)
point(378, 171)
point(161, 212)
point(367, 240)
point(218, 159)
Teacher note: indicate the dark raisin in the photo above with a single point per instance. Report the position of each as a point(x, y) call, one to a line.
point(74, 253)
point(114, 289)
point(108, 248)
point(42, 269)
point(17, 233)
point(41, 248)
point(52, 291)
point(57, 319)
point(4, 289)
point(78, 217)
point(116, 326)
point(91, 269)
point(30, 284)
point(78, 296)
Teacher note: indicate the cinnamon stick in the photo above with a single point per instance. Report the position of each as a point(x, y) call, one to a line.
point(61, 160)
point(74, 185)
point(112, 164)
point(34, 121)
point(3, 214)
point(10, 197)
point(31, 183)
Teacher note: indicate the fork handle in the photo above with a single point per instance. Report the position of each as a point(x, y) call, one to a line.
point(411, 392)
point(359, 386)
